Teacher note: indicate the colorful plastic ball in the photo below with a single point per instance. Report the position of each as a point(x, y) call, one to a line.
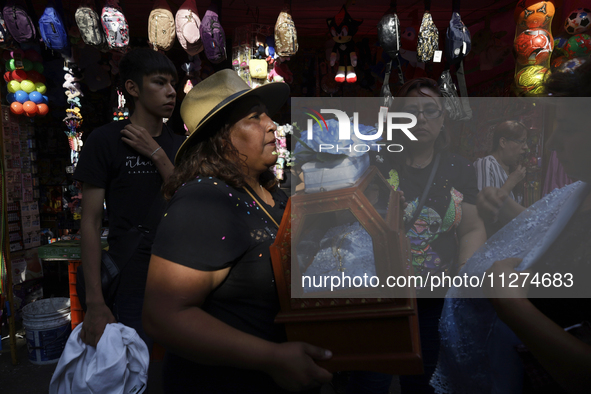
point(42, 109)
point(30, 107)
point(529, 80)
point(10, 98)
point(45, 99)
point(570, 65)
point(36, 97)
point(28, 86)
point(578, 21)
point(21, 96)
point(27, 64)
point(19, 75)
point(17, 108)
point(40, 87)
point(578, 45)
point(559, 44)
point(13, 86)
point(37, 66)
point(559, 61)
point(533, 47)
point(8, 76)
point(532, 14)
point(10, 66)
point(30, 115)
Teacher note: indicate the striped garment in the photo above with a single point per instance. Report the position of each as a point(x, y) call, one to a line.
point(490, 173)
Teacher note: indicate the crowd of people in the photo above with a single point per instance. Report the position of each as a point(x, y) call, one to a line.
point(202, 211)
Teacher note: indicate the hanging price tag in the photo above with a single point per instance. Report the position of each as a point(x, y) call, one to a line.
point(437, 56)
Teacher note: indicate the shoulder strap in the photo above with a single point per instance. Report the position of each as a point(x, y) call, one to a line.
point(464, 92)
point(260, 205)
point(412, 221)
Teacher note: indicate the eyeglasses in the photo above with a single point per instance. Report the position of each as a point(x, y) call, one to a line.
point(520, 142)
point(429, 113)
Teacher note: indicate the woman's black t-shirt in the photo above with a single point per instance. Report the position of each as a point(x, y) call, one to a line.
point(209, 225)
point(433, 235)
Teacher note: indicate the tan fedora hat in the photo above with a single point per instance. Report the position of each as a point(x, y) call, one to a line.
point(208, 98)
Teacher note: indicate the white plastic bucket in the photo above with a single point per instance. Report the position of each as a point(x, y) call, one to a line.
point(48, 325)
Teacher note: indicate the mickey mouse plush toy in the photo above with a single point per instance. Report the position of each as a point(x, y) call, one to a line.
point(343, 28)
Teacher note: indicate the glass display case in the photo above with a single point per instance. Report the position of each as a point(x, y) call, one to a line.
point(356, 232)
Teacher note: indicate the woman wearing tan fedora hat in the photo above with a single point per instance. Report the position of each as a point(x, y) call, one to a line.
point(211, 298)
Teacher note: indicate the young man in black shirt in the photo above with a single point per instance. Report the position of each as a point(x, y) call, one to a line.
point(124, 163)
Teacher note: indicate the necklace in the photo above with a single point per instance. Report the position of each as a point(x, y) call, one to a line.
point(423, 164)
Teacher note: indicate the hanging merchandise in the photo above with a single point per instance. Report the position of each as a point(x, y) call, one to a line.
point(578, 45)
point(121, 112)
point(284, 156)
point(6, 40)
point(53, 31)
point(73, 118)
point(533, 45)
point(72, 87)
point(115, 26)
point(187, 28)
point(212, 34)
point(389, 39)
point(389, 34)
point(428, 36)
point(270, 50)
point(89, 25)
point(578, 21)
point(25, 85)
point(251, 54)
point(19, 23)
point(192, 69)
point(286, 36)
point(457, 40)
point(258, 68)
point(282, 73)
point(342, 29)
point(458, 44)
point(161, 27)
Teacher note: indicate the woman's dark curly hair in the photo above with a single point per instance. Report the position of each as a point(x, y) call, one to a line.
point(214, 155)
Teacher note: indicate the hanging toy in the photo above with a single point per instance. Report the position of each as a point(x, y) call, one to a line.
point(533, 45)
point(73, 121)
point(342, 29)
point(192, 69)
point(24, 83)
point(121, 112)
point(284, 156)
point(578, 21)
point(270, 50)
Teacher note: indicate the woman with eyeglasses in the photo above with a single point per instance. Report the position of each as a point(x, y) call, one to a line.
point(446, 230)
point(502, 168)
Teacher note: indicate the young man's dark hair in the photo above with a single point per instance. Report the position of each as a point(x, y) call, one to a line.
point(142, 62)
point(125, 163)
